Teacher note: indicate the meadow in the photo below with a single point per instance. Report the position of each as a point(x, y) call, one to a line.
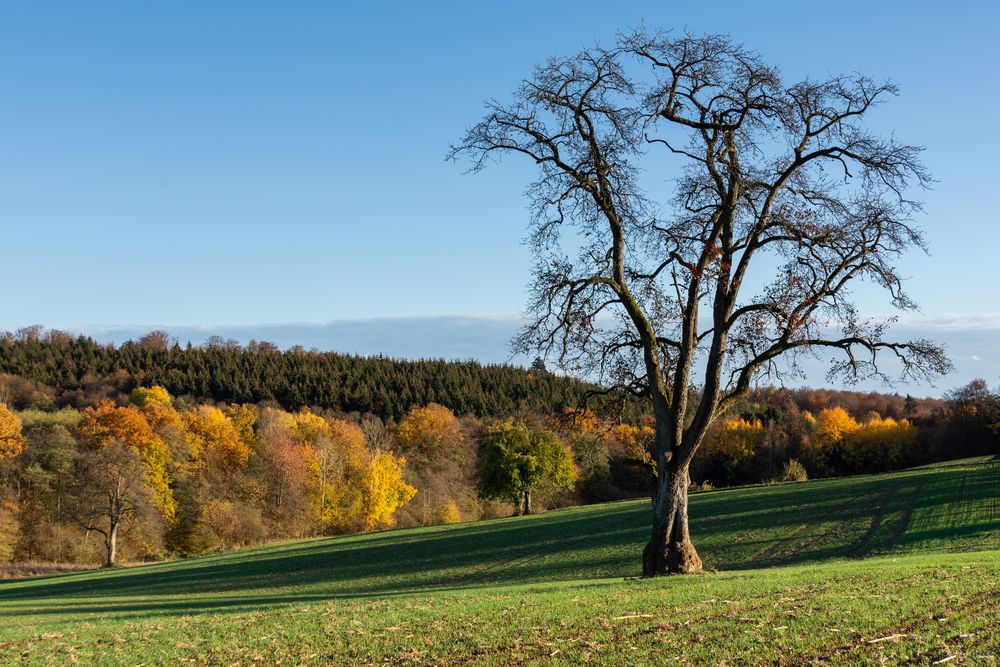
point(901, 568)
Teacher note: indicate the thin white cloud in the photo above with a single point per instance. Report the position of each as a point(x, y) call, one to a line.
point(951, 322)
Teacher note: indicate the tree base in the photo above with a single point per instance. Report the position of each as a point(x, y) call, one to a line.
point(677, 558)
point(683, 559)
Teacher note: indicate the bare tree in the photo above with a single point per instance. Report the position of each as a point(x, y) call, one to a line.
point(111, 493)
point(377, 436)
point(782, 200)
point(155, 340)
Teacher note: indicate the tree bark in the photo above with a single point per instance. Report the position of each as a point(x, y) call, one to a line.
point(112, 545)
point(670, 550)
point(526, 509)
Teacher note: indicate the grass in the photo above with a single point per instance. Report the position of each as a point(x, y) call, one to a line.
point(902, 567)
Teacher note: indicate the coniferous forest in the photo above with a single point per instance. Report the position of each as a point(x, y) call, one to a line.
point(79, 371)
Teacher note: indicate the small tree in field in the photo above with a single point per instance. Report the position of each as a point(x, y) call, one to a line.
point(516, 463)
point(698, 224)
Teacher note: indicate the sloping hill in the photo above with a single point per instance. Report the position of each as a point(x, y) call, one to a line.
point(529, 589)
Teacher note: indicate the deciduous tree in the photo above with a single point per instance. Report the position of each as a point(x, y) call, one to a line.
point(11, 438)
point(155, 395)
point(342, 461)
point(112, 490)
point(516, 462)
point(383, 489)
point(431, 430)
point(212, 438)
point(782, 202)
point(106, 424)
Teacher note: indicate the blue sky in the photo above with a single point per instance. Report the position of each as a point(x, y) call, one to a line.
point(234, 164)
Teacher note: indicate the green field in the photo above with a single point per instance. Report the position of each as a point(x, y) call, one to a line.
point(902, 568)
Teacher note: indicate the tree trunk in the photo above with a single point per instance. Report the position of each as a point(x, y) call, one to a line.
point(670, 550)
point(112, 544)
point(527, 503)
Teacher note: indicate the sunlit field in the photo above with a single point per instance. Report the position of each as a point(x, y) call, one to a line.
point(900, 567)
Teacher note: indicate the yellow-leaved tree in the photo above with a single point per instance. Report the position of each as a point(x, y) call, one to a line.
point(879, 444)
point(342, 460)
point(244, 419)
point(740, 439)
point(157, 405)
point(155, 395)
point(632, 442)
point(383, 490)
point(11, 438)
point(308, 426)
point(212, 438)
point(832, 425)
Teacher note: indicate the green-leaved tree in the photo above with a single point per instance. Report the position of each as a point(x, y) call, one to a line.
point(516, 462)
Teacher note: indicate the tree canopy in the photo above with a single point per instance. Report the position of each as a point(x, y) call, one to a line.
point(516, 462)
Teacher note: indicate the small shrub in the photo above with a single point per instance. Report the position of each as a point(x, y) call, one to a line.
point(448, 513)
point(793, 472)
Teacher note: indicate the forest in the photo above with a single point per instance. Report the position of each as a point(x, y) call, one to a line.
point(62, 369)
point(149, 451)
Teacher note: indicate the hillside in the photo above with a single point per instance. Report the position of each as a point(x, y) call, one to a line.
point(789, 584)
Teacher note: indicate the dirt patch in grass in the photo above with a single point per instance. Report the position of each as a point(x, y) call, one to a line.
point(20, 570)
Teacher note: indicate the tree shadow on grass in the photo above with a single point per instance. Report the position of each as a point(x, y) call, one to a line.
point(585, 543)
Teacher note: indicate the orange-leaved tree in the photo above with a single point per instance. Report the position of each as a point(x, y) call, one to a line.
point(432, 430)
point(106, 423)
point(121, 472)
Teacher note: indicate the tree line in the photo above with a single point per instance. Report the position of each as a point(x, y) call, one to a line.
point(55, 369)
point(152, 475)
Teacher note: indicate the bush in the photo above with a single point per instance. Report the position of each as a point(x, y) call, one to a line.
point(793, 472)
point(448, 513)
point(224, 525)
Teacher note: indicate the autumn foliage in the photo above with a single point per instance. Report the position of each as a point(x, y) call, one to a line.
point(106, 424)
point(212, 439)
point(430, 430)
point(222, 476)
point(383, 490)
point(839, 442)
point(11, 439)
